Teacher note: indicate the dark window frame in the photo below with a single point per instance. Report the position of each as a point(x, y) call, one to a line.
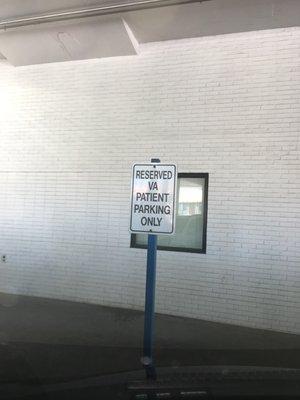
point(205, 176)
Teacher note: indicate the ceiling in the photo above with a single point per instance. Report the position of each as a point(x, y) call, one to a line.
point(120, 33)
point(10, 9)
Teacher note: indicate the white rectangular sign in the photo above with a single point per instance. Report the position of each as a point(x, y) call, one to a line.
point(153, 198)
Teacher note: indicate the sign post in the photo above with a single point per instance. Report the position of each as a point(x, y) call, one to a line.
point(147, 359)
point(152, 212)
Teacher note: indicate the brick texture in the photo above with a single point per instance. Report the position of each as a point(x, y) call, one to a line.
point(70, 132)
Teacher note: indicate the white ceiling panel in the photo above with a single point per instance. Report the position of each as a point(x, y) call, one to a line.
point(65, 41)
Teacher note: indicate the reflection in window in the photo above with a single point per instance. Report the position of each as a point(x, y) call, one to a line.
point(190, 199)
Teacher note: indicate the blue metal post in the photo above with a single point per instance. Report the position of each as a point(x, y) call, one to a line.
point(147, 359)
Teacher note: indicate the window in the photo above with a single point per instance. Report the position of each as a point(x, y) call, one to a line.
point(191, 217)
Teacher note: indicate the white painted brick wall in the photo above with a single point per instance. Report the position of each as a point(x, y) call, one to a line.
point(227, 105)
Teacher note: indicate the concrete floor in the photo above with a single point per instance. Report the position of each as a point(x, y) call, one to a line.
point(54, 340)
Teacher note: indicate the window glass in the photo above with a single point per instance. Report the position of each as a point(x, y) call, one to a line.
point(190, 217)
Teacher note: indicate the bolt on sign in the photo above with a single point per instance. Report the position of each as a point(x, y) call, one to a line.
point(153, 198)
